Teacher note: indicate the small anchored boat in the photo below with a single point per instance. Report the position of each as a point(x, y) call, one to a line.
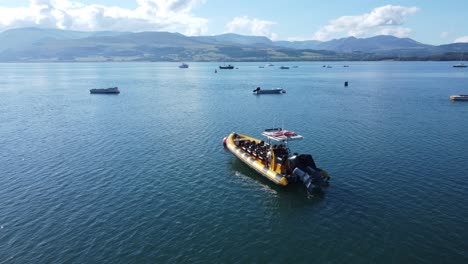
point(226, 67)
point(183, 66)
point(275, 162)
point(269, 91)
point(112, 90)
point(460, 65)
point(461, 97)
point(284, 68)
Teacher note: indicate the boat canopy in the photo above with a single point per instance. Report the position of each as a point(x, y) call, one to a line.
point(281, 135)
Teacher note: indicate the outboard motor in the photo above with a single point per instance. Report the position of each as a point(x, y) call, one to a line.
point(308, 161)
point(306, 171)
point(312, 179)
point(292, 164)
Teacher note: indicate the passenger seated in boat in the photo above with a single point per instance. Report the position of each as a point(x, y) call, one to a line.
point(245, 145)
point(279, 161)
point(268, 158)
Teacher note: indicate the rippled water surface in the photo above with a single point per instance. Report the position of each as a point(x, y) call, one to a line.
point(142, 176)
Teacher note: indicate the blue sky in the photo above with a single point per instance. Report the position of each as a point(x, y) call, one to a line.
point(432, 22)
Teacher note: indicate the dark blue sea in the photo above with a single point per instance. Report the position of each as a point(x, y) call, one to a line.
point(142, 177)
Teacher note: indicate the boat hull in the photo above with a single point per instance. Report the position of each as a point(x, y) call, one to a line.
point(113, 90)
point(253, 162)
point(459, 97)
point(270, 91)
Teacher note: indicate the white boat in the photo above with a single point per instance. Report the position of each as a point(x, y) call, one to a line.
point(226, 67)
point(460, 65)
point(461, 97)
point(269, 91)
point(112, 90)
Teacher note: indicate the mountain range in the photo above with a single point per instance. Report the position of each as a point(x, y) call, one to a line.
point(38, 44)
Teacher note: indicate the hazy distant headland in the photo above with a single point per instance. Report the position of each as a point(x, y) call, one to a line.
point(54, 45)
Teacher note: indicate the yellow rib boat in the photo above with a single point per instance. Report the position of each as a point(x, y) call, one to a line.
point(274, 161)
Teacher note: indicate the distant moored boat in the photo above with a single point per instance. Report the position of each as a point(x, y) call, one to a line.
point(461, 97)
point(183, 66)
point(269, 91)
point(460, 65)
point(226, 67)
point(112, 90)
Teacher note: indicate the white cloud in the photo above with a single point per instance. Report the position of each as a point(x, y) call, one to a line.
point(461, 39)
point(248, 26)
point(170, 15)
point(381, 20)
point(298, 38)
point(395, 31)
point(444, 35)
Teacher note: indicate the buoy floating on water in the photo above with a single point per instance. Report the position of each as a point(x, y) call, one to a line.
point(346, 84)
point(224, 141)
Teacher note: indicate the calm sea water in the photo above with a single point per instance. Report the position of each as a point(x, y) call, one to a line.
point(142, 176)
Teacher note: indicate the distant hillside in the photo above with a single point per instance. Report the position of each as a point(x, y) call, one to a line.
point(34, 44)
point(373, 44)
point(306, 44)
point(236, 39)
point(24, 37)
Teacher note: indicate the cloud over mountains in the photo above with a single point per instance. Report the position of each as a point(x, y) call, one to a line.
point(387, 20)
point(169, 15)
point(462, 40)
point(179, 16)
point(251, 26)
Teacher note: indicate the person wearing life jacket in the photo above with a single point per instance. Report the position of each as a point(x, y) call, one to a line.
point(268, 158)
